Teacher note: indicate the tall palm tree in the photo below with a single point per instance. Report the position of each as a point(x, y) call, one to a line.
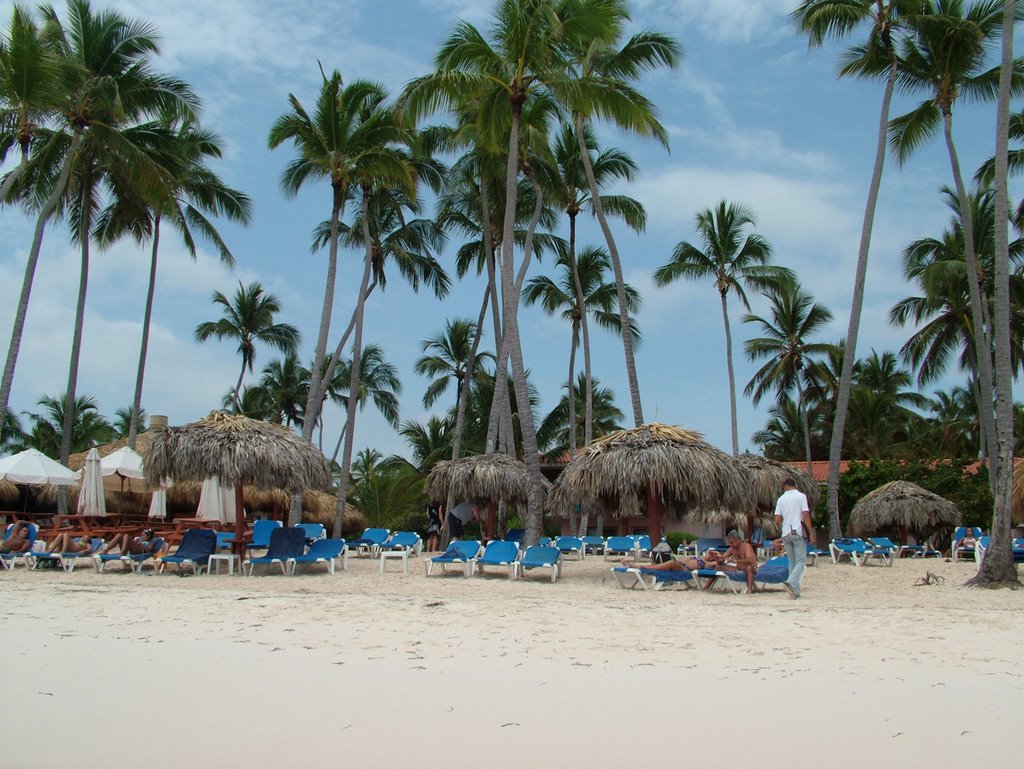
point(953, 423)
point(123, 421)
point(734, 263)
point(584, 277)
point(569, 188)
point(378, 382)
point(882, 419)
point(946, 57)
point(782, 437)
point(795, 318)
point(88, 429)
point(190, 192)
point(248, 317)
point(286, 385)
point(599, 72)
point(875, 57)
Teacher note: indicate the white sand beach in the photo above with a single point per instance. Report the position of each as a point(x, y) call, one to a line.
point(377, 670)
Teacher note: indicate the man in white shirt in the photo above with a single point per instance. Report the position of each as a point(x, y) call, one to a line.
point(794, 517)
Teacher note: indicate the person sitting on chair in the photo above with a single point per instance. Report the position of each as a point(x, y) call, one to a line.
point(740, 556)
point(148, 542)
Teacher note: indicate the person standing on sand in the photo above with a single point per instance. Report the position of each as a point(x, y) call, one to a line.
point(459, 516)
point(794, 516)
point(433, 525)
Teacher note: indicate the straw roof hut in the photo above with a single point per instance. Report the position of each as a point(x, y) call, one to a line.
point(481, 477)
point(765, 478)
point(9, 493)
point(902, 504)
point(630, 472)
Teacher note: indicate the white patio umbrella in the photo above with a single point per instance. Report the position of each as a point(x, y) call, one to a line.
point(91, 498)
point(122, 471)
point(35, 469)
point(158, 504)
point(216, 502)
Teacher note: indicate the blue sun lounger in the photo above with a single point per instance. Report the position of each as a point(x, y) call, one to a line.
point(326, 551)
point(650, 579)
point(460, 552)
point(498, 553)
point(9, 559)
point(285, 544)
point(369, 542)
point(261, 531)
point(851, 548)
point(774, 571)
point(540, 557)
point(67, 561)
point(883, 549)
point(194, 551)
point(133, 561)
point(570, 546)
point(619, 547)
point(964, 552)
point(594, 544)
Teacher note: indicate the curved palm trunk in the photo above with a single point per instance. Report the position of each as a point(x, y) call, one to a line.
point(133, 425)
point(7, 383)
point(467, 381)
point(16, 173)
point(84, 234)
point(620, 284)
point(835, 446)
point(353, 387)
point(238, 388)
point(572, 390)
point(979, 304)
point(501, 362)
point(998, 566)
point(732, 375)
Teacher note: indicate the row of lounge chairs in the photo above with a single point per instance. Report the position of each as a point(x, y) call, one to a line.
point(472, 558)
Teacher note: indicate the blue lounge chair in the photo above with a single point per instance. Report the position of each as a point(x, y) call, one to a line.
point(651, 579)
point(643, 545)
point(982, 546)
point(960, 551)
point(570, 546)
point(314, 531)
point(460, 551)
point(133, 561)
point(882, 548)
point(194, 551)
point(224, 540)
point(69, 560)
point(326, 551)
point(711, 543)
point(774, 571)
point(261, 531)
point(617, 547)
point(515, 535)
point(593, 544)
point(540, 557)
point(9, 559)
point(285, 544)
point(847, 547)
point(368, 543)
point(498, 553)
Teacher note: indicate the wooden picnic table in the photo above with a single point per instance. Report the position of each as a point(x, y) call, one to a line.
point(102, 526)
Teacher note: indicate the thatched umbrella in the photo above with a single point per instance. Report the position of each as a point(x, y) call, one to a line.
point(902, 504)
point(766, 479)
point(486, 478)
point(240, 451)
point(643, 469)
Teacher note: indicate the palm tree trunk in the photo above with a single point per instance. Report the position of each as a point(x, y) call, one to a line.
point(501, 361)
point(12, 178)
point(316, 380)
point(353, 387)
point(7, 383)
point(581, 302)
point(572, 390)
point(238, 388)
point(804, 423)
point(467, 382)
point(133, 425)
point(620, 284)
point(84, 235)
point(979, 304)
point(835, 446)
point(732, 375)
point(998, 566)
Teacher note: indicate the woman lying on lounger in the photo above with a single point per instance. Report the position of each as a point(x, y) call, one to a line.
point(672, 564)
point(65, 543)
point(147, 543)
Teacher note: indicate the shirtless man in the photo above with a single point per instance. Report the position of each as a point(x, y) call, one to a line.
point(740, 556)
point(18, 541)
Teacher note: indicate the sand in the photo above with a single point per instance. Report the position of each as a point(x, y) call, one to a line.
point(370, 669)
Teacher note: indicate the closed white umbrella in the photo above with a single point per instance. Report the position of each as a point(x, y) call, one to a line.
point(211, 501)
point(35, 469)
point(91, 497)
point(158, 504)
point(123, 471)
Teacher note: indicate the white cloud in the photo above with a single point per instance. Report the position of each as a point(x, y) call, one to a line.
point(725, 20)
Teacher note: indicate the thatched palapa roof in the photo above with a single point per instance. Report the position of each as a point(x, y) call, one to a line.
point(482, 477)
point(766, 478)
point(616, 472)
point(903, 504)
point(238, 450)
point(9, 493)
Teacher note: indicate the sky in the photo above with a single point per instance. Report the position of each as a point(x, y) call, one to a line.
point(753, 115)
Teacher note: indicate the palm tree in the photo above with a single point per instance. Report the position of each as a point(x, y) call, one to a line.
point(881, 417)
point(584, 277)
point(378, 382)
point(876, 56)
point(192, 190)
point(734, 262)
point(568, 186)
point(106, 84)
point(249, 318)
point(430, 443)
point(598, 77)
point(945, 56)
point(782, 438)
point(286, 385)
point(445, 358)
point(123, 421)
point(12, 437)
point(88, 429)
point(554, 433)
point(795, 317)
